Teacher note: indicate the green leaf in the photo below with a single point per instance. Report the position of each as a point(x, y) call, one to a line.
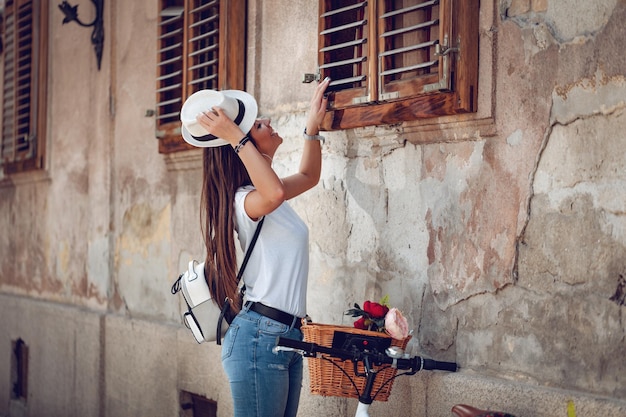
point(384, 301)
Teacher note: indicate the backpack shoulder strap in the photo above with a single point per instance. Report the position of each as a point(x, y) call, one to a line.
point(249, 251)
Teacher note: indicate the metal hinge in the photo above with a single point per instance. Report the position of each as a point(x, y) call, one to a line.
point(389, 96)
point(382, 97)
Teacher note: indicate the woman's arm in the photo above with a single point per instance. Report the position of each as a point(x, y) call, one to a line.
point(271, 191)
point(311, 162)
point(264, 178)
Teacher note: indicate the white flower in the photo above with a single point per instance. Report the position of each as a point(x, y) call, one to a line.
point(396, 324)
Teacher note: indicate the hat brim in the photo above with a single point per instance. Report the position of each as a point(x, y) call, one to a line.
point(247, 121)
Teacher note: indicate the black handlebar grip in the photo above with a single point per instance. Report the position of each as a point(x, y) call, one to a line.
point(294, 344)
point(430, 364)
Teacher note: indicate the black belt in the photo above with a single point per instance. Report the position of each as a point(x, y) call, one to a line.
point(274, 314)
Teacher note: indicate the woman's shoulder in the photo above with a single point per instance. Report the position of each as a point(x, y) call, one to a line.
point(240, 196)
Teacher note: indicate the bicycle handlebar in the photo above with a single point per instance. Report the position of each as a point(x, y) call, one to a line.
point(415, 363)
point(296, 344)
point(430, 364)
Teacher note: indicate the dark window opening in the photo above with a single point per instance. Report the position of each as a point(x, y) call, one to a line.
point(345, 45)
point(194, 405)
point(19, 370)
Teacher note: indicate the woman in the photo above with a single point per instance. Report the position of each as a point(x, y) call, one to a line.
point(240, 188)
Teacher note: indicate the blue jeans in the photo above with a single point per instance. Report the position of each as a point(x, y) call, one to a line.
point(262, 383)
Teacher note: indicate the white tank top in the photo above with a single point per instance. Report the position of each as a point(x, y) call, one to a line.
point(277, 272)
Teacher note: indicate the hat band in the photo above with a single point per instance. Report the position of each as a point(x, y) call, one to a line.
point(238, 119)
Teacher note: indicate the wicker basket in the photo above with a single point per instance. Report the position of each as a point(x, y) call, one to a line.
point(326, 377)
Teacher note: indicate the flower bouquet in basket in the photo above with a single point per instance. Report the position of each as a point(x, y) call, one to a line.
point(336, 377)
point(378, 317)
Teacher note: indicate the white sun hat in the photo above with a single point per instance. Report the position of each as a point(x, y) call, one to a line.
point(238, 105)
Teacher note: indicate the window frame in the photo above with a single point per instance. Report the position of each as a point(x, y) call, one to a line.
point(454, 92)
point(231, 66)
point(33, 115)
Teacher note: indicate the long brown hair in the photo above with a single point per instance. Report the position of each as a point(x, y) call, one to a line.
point(223, 174)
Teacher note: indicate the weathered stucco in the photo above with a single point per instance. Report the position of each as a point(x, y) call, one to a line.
point(501, 234)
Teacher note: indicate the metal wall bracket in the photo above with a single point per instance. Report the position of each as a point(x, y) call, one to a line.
point(97, 35)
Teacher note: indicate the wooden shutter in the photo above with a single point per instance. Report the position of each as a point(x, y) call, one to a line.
point(23, 104)
point(408, 36)
point(344, 55)
point(201, 46)
point(170, 62)
point(398, 60)
point(464, 68)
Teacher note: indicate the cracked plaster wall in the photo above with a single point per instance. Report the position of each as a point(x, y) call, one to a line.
point(555, 316)
point(473, 236)
point(504, 247)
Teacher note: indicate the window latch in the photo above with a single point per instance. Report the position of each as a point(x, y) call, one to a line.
point(444, 49)
point(439, 51)
point(309, 78)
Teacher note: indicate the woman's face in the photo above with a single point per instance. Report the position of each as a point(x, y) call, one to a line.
point(265, 138)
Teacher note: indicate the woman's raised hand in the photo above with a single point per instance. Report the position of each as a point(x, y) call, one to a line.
point(217, 123)
point(318, 108)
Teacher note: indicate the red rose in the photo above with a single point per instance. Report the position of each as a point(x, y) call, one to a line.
point(360, 324)
point(375, 310)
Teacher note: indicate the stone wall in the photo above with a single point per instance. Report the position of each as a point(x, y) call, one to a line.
point(501, 235)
